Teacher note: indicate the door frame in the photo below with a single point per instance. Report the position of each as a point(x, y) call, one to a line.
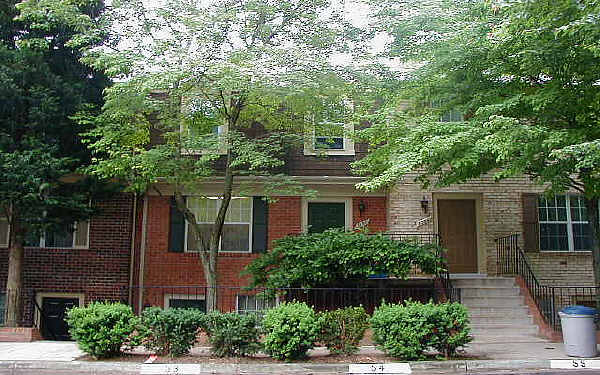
point(39, 297)
point(479, 223)
point(347, 205)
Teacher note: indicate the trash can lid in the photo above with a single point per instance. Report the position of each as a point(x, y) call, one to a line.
point(579, 310)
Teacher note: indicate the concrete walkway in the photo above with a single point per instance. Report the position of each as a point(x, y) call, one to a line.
point(63, 355)
point(61, 351)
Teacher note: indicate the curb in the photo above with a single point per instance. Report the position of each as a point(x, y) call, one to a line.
point(278, 368)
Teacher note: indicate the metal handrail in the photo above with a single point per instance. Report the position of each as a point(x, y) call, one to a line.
point(511, 260)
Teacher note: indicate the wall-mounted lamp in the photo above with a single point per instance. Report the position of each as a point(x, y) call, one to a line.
point(424, 205)
point(361, 207)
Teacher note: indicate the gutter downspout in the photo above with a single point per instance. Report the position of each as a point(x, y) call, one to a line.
point(132, 252)
point(142, 255)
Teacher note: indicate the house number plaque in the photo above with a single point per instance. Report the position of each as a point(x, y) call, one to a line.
point(379, 368)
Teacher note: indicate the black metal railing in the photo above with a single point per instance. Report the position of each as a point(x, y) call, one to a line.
point(441, 279)
point(243, 300)
point(549, 299)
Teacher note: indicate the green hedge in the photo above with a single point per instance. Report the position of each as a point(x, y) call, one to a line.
point(171, 331)
point(101, 328)
point(232, 334)
point(291, 330)
point(342, 329)
point(406, 331)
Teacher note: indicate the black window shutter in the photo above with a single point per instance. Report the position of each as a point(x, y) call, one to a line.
point(176, 230)
point(260, 218)
point(531, 225)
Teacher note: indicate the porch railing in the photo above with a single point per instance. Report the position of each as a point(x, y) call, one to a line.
point(549, 299)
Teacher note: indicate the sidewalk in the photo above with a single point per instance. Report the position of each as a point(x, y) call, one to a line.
point(63, 356)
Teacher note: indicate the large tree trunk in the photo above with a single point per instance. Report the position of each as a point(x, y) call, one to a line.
point(592, 212)
point(14, 282)
point(209, 251)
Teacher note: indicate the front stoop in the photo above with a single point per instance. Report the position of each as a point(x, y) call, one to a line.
point(19, 334)
point(497, 311)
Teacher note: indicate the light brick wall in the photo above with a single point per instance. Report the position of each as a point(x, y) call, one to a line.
point(501, 214)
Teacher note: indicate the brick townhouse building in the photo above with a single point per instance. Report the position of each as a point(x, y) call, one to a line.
point(169, 268)
point(163, 269)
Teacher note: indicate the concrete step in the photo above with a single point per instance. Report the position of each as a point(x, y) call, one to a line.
point(484, 281)
point(503, 330)
point(502, 311)
point(506, 301)
point(486, 319)
point(466, 292)
point(490, 339)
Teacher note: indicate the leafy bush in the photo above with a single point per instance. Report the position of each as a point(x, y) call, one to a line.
point(315, 259)
point(233, 334)
point(406, 331)
point(101, 328)
point(171, 331)
point(342, 330)
point(291, 330)
point(452, 328)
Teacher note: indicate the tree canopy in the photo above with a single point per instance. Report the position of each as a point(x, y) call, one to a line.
point(43, 84)
point(524, 74)
point(214, 91)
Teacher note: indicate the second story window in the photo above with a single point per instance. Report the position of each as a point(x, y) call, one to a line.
point(333, 139)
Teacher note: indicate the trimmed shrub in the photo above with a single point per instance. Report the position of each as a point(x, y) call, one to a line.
point(170, 331)
point(406, 331)
point(291, 330)
point(342, 329)
point(101, 328)
point(233, 334)
point(452, 328)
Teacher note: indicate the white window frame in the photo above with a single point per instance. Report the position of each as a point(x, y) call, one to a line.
point(348, 210)
point(42, 243)
point(170, 296)
point(348, 149)
point(256, 310)
point(250, 223)
point(569, 223)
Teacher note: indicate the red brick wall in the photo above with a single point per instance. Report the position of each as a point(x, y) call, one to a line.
point(100, 272)
point(375, 211)
point(165, 270)
point(285, 217)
